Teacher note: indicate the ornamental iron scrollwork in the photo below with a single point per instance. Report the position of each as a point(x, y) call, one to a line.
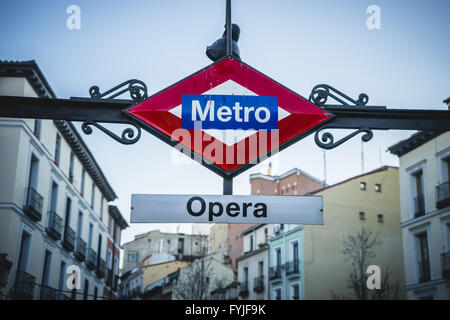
point(327, 139)
point(138, 93)
point(320, 94)
point(137, 89)
point(128, 134)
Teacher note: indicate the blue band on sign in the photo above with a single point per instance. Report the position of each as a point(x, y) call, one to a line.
point(229, 112)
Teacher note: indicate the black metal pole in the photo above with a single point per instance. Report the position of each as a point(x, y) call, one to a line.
point(228, 28)
point(227, 186)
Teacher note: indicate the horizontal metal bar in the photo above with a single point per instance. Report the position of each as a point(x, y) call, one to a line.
point(109, 110)
point(64, 109)
point(381, 118)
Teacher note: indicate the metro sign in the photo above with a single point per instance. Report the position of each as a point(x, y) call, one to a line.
point(232, 115)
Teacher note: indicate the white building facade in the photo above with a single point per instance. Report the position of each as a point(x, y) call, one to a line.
point(53, 202)
point(253, 265)
point(425, 211)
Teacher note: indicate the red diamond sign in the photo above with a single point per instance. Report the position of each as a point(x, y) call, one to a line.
point(229, 116)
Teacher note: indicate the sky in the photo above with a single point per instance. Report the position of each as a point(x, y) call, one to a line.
point(404, 64)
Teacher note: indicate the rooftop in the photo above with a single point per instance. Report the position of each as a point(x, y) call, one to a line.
point(384, 168)
point(416, 140)
point(284, 175)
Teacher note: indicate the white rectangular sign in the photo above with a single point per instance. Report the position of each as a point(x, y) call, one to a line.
point(149, 208)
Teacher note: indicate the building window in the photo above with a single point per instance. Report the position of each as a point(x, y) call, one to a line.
point(24, 252)
point(419, 199)
point(278, 257)
point(37, 128)
point(362, 216)
point(86, 289)
point(133, 257)
point(266, 235)
point(251, 242)
point(101, 207)
point(83, 174)
point(57, 149)
point(93, 195)
point(61, 281)
point(277, 294)
point(380, 218)
point(377, 187)
point(423, 255)
point(258, 191)
point(95, 292)
point(71, 164)
point(54, 197)
point(295, 292)
point(46, 273)
point(362, 186)
point(181, 245)
point(443, 188)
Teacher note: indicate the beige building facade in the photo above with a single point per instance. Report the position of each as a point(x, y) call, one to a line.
point(370, 201)
point(155, 241)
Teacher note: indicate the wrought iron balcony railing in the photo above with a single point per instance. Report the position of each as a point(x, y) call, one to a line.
point(445, 265)
point(424, 270)
point(243, 289)
point(54, 225)
point(69, 239)
point(23, 286)
point(101, 266)
point(33, 204)
point(258, 285)
point(275, 272)
point(80, 250)
point(419, 206)
point(293, 267)
point(443, 195)
point(48, 293)
point(91, 258)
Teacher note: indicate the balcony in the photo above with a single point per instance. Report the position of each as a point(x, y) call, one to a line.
point(109, 277)
point(69, 239)
point(80, 250)
point(33, 204)
point(275, 272)
point(100, 267)
point(243, 289)
point(47, 293)
point(419, 206)
point(24, 286)
point(91, 258)
point(292, 267)
point(54, 225)
point(424, 271)
point(445, 265)
point(443, 195)
point(258, 285)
